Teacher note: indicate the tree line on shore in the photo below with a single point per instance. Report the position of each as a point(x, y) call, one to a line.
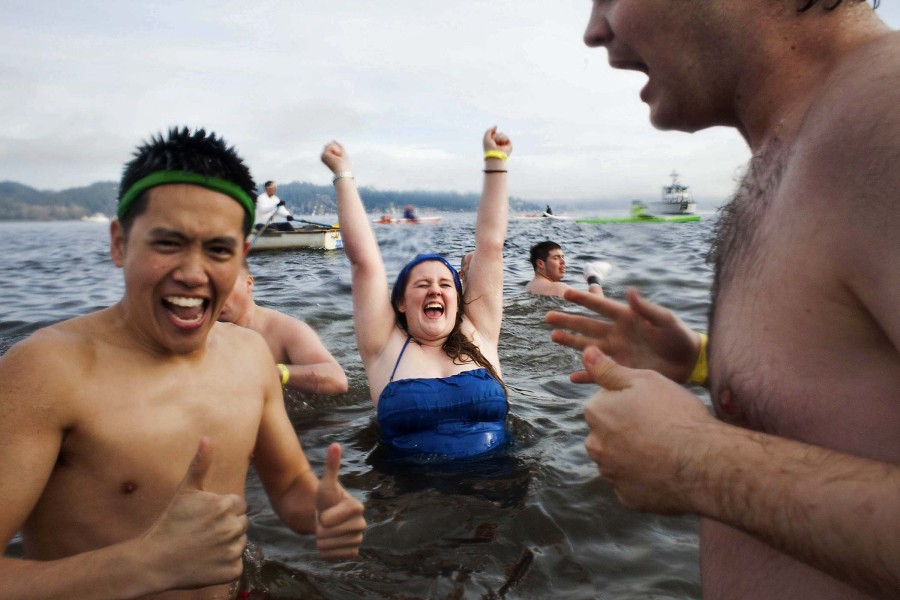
point(19, 202)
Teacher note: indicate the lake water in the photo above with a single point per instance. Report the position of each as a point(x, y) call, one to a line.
point(535, 522)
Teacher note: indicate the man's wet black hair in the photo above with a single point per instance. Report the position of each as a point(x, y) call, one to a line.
point(805, 5)
point(185, 150)
point(541, 251)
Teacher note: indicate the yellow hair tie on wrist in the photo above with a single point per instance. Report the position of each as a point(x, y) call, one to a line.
point(496, 154)
point(285, 374)
point(701, 370)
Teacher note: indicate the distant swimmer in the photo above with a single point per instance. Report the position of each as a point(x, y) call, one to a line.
point(431, 359)
point(549, 264)
point(127, 433)
point(302, 360)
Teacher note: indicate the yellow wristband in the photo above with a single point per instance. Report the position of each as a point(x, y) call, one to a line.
point(701, 371)
point(496, 154)
point(285, 374)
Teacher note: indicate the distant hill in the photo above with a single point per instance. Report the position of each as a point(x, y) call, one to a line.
point(21, 202)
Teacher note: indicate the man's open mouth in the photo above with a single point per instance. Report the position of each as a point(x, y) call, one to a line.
point(186, 310)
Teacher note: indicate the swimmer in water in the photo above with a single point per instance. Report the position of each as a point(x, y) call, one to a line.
point(430, 358)
point(549, 264)
point(303, 362)
point(127, 433)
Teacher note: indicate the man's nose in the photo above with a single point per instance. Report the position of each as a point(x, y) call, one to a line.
point(598, 32)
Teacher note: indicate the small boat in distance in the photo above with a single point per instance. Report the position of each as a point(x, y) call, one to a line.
point(312, 237)
point(389, 220)
point(639, 214)
point(676, 199)
point(96, 218)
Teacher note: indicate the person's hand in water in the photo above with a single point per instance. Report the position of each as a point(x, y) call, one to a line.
point(640, 334)
point(341, 524)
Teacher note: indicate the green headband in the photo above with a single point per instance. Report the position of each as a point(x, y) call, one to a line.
point(164, 177)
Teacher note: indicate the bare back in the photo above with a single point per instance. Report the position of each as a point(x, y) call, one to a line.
point(804, 328)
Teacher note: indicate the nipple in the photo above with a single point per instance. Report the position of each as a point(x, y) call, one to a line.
point(128, 487)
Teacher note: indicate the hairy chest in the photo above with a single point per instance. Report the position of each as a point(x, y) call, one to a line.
point(784, 326)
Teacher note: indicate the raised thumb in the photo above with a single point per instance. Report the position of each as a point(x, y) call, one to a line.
point(329, 492)
point(606, 372)
point(199, 467)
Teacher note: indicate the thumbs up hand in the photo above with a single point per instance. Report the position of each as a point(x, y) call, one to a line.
point(646, 434)
point(199, 539)
point(341, 524)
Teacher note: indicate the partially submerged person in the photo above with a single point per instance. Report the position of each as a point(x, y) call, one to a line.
point(124, 469)
point(549, 263)
point(430, 358)
point(269, 206)
point(798, 480)
point(302, 361)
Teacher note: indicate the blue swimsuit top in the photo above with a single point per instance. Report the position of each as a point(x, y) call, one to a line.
point(457, 416)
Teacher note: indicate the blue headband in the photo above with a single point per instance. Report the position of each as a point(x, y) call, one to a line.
point(402, 278)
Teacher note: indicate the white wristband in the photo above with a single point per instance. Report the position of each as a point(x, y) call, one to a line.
point(342, 175)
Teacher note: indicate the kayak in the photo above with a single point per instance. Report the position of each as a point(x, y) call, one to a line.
point(387, 220)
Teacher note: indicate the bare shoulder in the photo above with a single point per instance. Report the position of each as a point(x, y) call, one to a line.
point(849, 142)
point(239, 340)
point(46, 366)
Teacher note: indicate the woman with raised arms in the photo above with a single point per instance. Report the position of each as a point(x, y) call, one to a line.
point(430, 355)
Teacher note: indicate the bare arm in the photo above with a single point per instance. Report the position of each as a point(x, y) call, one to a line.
point(373, 317)
point(640, 334)
point(834, 511)
point(301, 501)
point(311, 366)
point(484, 283)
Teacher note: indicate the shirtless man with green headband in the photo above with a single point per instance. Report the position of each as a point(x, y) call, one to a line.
point(127, 433)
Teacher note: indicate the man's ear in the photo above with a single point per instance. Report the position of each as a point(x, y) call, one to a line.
point(540, 266)
point(117, 242)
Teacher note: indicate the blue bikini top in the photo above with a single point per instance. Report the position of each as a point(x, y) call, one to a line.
point(457, 416)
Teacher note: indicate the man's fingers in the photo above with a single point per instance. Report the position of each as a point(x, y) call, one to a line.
point(588, 326)
point(601, 305)
point(199, 467)
point(605, 371)
point(577, 342)
point(330, 491)
point(652, 312)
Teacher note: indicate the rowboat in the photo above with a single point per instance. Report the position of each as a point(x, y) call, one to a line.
point(317, 238)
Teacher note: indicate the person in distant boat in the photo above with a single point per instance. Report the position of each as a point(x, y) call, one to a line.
point(797, 476)
point(430, 358)
point(269, 206)
point(409, 213)
point(302, 360)
point(127, 433)
point(548, 212)
point(549, 264)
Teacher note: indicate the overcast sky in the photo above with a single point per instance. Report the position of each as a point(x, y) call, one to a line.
point(408, 87)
